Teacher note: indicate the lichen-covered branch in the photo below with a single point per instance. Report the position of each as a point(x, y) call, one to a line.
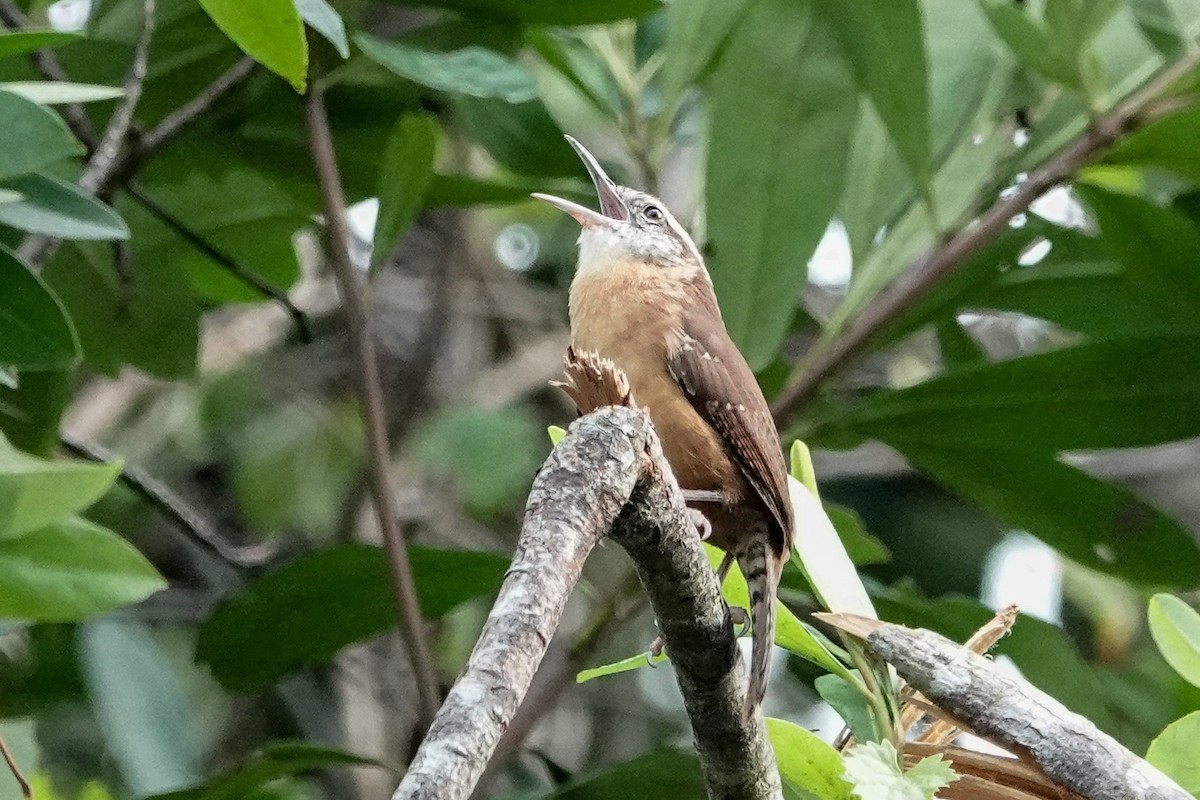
point(607, 476)
point(736, 757)
point(1071, 750)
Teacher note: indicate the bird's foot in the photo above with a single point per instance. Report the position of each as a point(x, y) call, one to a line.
point(703, 526)
point(740, 618)
point(655, 650)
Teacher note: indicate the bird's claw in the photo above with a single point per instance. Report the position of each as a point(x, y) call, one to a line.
point(740, 618)
point(703, 526)
point(655, 650)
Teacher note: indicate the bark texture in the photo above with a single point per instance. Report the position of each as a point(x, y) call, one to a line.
point(1011, 712)
point(606, 476)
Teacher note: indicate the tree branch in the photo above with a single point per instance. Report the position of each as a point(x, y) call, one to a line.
point(223, 259)
point(1068, 747)
point(607, 476)
point(937, 264)
point(371, 399)
point(107, 154)
point(178, 120)
point(187, 519)
point(26, 789)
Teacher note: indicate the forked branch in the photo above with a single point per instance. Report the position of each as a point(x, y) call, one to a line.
point(968, 687)
point(606, 477)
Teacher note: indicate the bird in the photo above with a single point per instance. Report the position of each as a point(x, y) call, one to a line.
point(642, 297)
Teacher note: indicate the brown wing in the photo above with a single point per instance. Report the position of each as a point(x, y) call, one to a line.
point(721, 388)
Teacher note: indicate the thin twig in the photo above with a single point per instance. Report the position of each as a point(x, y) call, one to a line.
point(50, 68)
point(26, 789)
point(1009, 711)
point(120, 154)
point(222, 259)
point(106, 155)
point(178, 120)
point(104, 158)
point(371, 399)
point(187, 519)
point(937, 264)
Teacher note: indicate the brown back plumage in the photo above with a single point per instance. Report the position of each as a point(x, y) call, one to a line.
point(721, 387)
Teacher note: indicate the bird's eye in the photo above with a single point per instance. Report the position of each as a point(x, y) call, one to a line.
point(653, 214)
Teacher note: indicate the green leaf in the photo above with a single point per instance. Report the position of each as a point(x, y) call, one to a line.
point(1103, 527)
point(293, 467)
point(463, 190)
point(71, 570)
point(1079, 284)
point(1154, 244)
point(155, 327)
point(1074, 24)
point(1166, 143)
point(862, 548)
point(57, 208)
point(1092, 17)
point(34, 137)
point(874, 767)
point(269, 31)
point(140, 706)
point(539, 12)
point(812, 767)
point(964, 68)
point(884, 43)
point(556, 434)
point(850, 704)
point(822, 557)
point(35, 492)
point(277, 760)
point(493, 455)
point(30, 412)
point(617, 667)
point(765, 145)
point(304, 612)
point(930, 774)
point(405, 175)
point(56, 92)
point(1130, 392)
point(660, 773)
point(34, 330)
point(1033, 43)
point(43, 674)
point(16, 43)
point(471, 71)
point(1175, 627)
point(1176, 751)
point(967, 169)
point(579, 65)
point(790, 633)
point(696, 33)
point(520, 136)
point(257, 231)
point(325, 21)
point(1161, 22)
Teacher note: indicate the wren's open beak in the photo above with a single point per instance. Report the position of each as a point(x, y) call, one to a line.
point(611, 206)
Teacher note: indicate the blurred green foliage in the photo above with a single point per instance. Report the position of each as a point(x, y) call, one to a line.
point(136, 660)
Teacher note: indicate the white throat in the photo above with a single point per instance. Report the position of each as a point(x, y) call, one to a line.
point(600, 246)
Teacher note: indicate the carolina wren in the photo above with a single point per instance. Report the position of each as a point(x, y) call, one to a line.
point(642, 297)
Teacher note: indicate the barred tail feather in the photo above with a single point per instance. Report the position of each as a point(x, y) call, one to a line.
point(760, 569)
